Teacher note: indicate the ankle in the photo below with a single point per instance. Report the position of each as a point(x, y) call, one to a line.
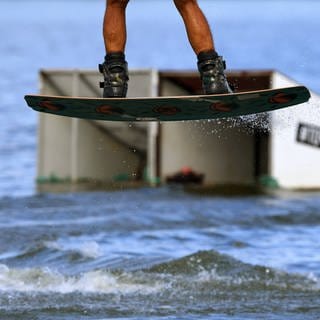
point(118, 56)
point(207, 55)
point(115, 62)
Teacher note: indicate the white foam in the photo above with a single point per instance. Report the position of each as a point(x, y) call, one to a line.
point(88, 249)
point(46, 280)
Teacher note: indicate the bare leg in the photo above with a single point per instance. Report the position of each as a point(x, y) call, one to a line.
point(210, 65)
point(114, 26)
point(115, 68)
point(197, 27)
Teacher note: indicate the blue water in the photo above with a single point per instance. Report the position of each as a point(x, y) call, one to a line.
point(153, 253)
point(150, 253)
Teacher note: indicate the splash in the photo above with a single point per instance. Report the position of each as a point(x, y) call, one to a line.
point(47, 280)
point(222, 271)
point(199, 272)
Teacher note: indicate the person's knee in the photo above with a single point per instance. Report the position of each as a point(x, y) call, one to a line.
point(117, 3)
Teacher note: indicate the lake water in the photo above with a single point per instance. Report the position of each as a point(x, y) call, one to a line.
point(159, 253)
point(150, 253)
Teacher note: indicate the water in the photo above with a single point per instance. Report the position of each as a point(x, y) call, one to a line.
point(147, 253)
point(150, 253)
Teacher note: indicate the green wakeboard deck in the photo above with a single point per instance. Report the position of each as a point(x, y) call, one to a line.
point(177, 108)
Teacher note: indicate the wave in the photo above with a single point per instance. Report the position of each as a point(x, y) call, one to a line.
point(224, 271)
point(48, 280)
point(197, 273)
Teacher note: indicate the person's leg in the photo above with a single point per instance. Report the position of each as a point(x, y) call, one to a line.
point(197, 27)
point(114, 26)
point(114, 67)
point(210, 65)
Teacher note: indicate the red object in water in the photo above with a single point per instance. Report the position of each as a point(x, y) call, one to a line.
point(186, 175)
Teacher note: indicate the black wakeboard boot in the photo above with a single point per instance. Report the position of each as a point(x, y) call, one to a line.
point(211, 68)
point(115, 73)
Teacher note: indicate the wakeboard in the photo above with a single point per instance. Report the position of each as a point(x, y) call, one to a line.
point(176, 108)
